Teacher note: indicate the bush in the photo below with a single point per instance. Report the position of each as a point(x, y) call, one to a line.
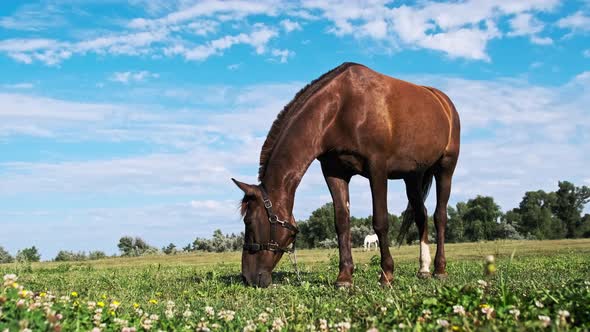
point(70, 256)
point(5, 256)
point(94, 255)
point(328, 243)
point(135, 247)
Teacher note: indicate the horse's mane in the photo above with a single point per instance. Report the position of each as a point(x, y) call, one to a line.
point(300, 98)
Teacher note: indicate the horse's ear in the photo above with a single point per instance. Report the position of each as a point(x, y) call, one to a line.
point(248, 189)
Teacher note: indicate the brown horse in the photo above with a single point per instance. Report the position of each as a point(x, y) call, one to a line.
point(354, 121)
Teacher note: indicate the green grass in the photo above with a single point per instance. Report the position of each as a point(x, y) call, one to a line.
point(536, 278)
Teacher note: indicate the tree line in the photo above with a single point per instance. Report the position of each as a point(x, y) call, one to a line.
point(540, 215)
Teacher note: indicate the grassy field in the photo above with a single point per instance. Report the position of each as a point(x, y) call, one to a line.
point(538, 285)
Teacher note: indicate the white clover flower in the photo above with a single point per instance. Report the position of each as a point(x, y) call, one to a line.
point(323, 325)
point(488, 311)
point(442, 322)
point(426, 313)
point(277, 324)
point(263, 317)
point(459, 310)
point(545, 320)
point(9, 279)
point(514, 312)
point(209, 311)
point(187, 313)
point(373, 329)
point(269, 310)
point(154, 317)
point(490, 259)
point(226, 315)
point(563, 314)
point(338, 310)
point(539, 304)
point(169, 313)
point(343, 326)
point(383, 310)
point(482, 283)
point(250, 326)
point(96, 329)
point(402, 326)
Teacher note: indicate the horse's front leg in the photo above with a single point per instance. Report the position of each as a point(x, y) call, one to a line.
point(378, 181)
point(339, 190)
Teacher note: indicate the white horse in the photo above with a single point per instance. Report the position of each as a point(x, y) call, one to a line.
point(369, 240)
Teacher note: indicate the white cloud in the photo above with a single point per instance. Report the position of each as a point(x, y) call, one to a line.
point(282, 54)
point(130, 76)
point(290, 26)
point(578, 21)
point(19, 86)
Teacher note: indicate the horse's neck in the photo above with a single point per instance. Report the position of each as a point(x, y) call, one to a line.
point(290, 158)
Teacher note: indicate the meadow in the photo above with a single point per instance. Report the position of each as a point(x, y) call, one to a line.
point(536, 285)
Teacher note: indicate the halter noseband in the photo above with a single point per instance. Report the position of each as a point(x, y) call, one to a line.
point(272, 245)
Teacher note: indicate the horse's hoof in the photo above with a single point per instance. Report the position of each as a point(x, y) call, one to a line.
point(441, 276)
point(343, 284)
point(423, 275)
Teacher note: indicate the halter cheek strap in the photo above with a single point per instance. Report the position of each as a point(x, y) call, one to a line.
point(272, 245)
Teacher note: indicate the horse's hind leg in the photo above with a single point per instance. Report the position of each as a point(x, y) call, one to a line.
point(415, 197)
point(443, 176)
point(338, 185)
point(378, 180)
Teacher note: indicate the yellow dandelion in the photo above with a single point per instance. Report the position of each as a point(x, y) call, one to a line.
point(455, 328)
point(42, 294)
point(135, 305)
point(23, 293)
point(104, 296)
point(15, 285)
point(154, 301)
point(116, 303)
point(100, 304)
point(112, 312)
point(484, 305)
point(74, 294)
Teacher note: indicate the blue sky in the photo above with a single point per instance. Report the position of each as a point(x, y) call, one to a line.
point(130, 117)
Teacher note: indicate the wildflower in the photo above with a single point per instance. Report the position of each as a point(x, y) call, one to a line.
point(187, 313)
point(128, 329)
point(100, 304)
point(373, 329)
point(563, 313)
point(226, 315)
point(114, 305)
point(263, 317)
point(209, 311)
point(154, 317)
point(323, 325)
point(338, 310)
point(42, 294)
point(250, 326)
point(402, 326)
point(488, 311)
point(459, 310)
point(277, 324)
point(10, 279)
point(482, 283)
point(455, 328)
point(135, 305)
point(153, 301)
point(539, 304)
point(383, 310)
point(96, 329)
point(74, 294)
point(343, 326)
point(20, 303)
point(426, 313)
point(91, 305)
point(545, 320)
point(442, 322)
point(146, 324)
point(515, 313)
point(202, 327)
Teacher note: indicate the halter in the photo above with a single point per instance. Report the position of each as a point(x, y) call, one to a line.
point(272, 245)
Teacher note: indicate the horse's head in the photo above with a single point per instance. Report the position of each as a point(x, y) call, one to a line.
point(267, 235)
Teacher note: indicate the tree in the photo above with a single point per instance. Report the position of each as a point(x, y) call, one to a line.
point(28, 255)
point(5, 256)
point(480, 218)
point(318, 227)
point(170, 249)
point(455, 231)
point(569, 204)
point(536, 216)
point(135, 246)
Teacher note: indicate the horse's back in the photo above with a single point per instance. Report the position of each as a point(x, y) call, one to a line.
point(383, 116)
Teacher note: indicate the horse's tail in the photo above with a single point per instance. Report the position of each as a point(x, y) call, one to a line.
point(408, 215)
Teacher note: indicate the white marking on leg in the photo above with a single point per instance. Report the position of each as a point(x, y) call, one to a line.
point(424, 257)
